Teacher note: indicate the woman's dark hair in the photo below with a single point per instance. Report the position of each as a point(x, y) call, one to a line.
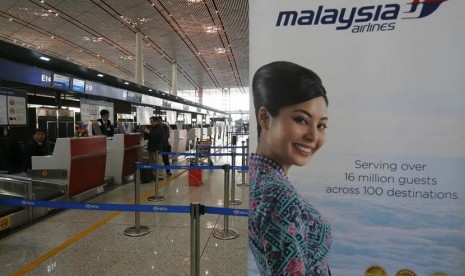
point(282, 83)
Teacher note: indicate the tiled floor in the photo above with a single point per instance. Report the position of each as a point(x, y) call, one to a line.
point(81, 242)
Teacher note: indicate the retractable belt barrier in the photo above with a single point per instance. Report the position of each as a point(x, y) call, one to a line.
point(121, 207)
point(238, 133)
point(195, 210)
point(197, 154)
point(220, 147)
point(186, 167)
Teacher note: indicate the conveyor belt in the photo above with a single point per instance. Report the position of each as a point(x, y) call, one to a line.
point(7, 210)
point(19, 187)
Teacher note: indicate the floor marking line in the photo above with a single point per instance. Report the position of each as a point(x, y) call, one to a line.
point(42, 259)
point(64, 245)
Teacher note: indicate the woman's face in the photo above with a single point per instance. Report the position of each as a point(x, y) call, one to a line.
point(295, 134)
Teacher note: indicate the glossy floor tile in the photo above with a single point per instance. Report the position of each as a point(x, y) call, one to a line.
point(81, 242)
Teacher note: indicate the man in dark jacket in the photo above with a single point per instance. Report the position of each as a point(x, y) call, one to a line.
point(166, 146)
point(105, 124)
point(155, 136)
point(37, 147)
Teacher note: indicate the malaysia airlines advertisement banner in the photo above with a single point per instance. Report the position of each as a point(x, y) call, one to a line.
point(389, 179)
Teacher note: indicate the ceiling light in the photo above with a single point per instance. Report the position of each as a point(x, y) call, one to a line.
point(220, 50)
point(44, 58)
point(211, 29)
point(100, 75)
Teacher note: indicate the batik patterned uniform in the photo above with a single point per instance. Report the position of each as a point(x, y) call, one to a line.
point(287, 235)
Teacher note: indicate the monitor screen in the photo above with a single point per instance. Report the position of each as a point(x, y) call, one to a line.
point(78, 85)
point(60, 81)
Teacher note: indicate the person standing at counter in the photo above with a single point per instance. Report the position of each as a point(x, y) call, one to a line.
point(105, 124)
point(37, 147)
point(155, 136)
point(166, 146)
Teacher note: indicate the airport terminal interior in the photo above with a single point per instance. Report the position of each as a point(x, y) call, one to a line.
point(89, 83)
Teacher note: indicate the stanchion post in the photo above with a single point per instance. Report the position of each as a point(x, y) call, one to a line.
point(226, 233)
point(156, 197)
point(197, 152)
point(247, 158)
point(234, 200)
point(196, 212)
point(243, 165)
point(30, 195)
point(137, 230)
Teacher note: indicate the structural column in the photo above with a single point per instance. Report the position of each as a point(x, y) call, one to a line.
point(174, 80)
point(200, 91)
point(139, 60)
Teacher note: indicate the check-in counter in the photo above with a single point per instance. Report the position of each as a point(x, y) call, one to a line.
point(204, 134)
point(179, 143)
point(123, 151)
point(84, 160)
point(192, 135)
point(198, 133)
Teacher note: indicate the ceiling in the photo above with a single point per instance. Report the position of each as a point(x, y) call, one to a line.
point(207, 39)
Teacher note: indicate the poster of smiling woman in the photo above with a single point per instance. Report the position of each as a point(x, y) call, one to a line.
point(357, 136)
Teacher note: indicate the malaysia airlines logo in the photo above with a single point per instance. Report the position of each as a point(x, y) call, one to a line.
point(426, 7)
point(382, 17)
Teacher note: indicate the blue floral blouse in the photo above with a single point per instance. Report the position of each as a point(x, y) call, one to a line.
point(287, 235)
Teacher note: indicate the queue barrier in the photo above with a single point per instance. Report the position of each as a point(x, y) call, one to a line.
point(220, 147)
point(238, 133)
point(186, 167)
point(196, 154)
point(120, 207)
point(245, 149)
point(195, 210)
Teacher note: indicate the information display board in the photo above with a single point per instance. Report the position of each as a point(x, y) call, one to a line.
point(78, 85)
point(61, 82)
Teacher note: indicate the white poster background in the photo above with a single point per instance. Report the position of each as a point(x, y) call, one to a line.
point(395, 97)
